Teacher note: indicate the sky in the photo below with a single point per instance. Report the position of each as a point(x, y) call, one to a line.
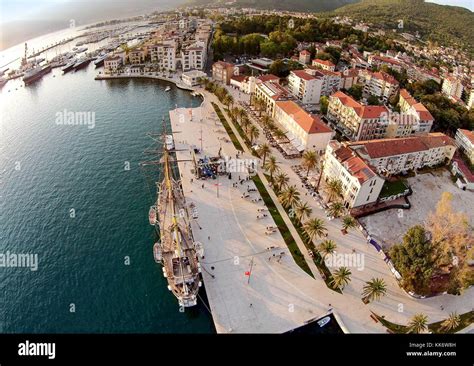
point(468, 4)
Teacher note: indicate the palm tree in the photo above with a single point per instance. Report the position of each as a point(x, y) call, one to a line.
point(348, 222)
point(254, 133)
point(327, 247)
point(289, 197)
point(374, 290)
point(341, 278)
point(245, 123)
point(336, 209)
point(451, 322)
point(281, 181)
point(333, 189)
point(271, 166)
point(309, 160)
point(314, 228)
point(279, 134)
point(263, 151)
point(418, 324)
point(302, 211)
point(229, 99)
point(266, 121)
point(260, 106)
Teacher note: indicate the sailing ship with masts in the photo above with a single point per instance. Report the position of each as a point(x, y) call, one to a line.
point(176, 250)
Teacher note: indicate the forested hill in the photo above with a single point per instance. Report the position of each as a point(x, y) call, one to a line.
point(294, 5)
point(447, 25)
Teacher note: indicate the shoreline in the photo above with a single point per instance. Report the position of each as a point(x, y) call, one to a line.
point(177, 83)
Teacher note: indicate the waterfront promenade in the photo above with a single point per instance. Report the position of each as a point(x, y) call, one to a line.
point(278, 295)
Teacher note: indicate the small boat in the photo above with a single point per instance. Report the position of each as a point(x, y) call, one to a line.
point(69, 66)
point(322, 322)
point(83, 62)
point(100, 60)
point(167, 89)
point(157, 252)
point(82, 49)
point(169, 142)
point(152, 215)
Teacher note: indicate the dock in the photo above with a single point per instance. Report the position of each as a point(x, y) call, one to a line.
point(252, 282)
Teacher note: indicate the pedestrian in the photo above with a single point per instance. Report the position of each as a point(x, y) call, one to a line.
point(209, 238)
point(202, 186)
point(251, 304)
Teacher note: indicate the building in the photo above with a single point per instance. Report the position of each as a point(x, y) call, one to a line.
point(112, 64)
point(378, 61)
point(222, 71)
point(137, 57)
point(193, 77)
point(465, 142)
point(331, 80)
point(360, 184)
point(359, 122)
point(380, 84)
point(305, 87)
point(270, 92)
point(305, 57)
point(418, 116)
point(164, 55)
point(349, 78)
point(324, 64)
point(237, 81)
point(452, 88)
point(193, 57)
point(400, 155)
point(470, 101)
point(304, 130)
point(260, 65)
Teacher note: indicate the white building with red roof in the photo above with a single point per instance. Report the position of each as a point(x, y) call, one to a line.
point(420, 117)
point(270, 92)
point(452, 88)
point(305, 57)
point(324, 64)
point(380, 84)
point(305, 87)
point(358, 121)
point(360, 183)
point(465, 142)
point(305, 131)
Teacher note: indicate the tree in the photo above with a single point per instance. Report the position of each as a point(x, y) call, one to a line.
point(341, 278)
point(451, 322)
point(245, 123)
point(281, 181)
point(327, 247)
point(418, 324)
point(263, 151)
point(374, 290)
point(373, 100)
point(355, 91)
point(414, 259)
point(333, 189)
point(324, 103)
point(302, 211)
point(290, 197)
point(254, 133)
point(348, 222)
point(271, 166)
point(336, 209)
point(266, 121)
point(309, 160)
point(314, 228)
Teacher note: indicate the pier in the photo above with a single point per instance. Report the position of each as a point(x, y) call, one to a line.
point(252, 282)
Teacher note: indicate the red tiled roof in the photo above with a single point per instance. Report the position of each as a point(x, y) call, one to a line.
point(223, 64)
point(305, 52)
point(399, 146)
point(238, 78)
point(363, 111)
point(303, 75)
point(385, 77)
point(323, 62)
point(268, 77)
point(354, 164)
point(311, 124)
point(424, 113)
point(468, 134)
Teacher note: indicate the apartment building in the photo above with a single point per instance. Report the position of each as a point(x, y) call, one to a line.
point(400, 155)
point(349, 78)
point(193, 57)
point(192, 78)
point(305, 57)
point(137, 56)
point(465, 142)
point(452, 88)
point(324, 64)
point(359, 122)
point(418, 115)
point(164, 55)
point(270, 92)
point(112, 63)
point(222, 71)
point(305, 87)
point(380, 84)
point(378, 61)
point(360, 184)
point(304, 130)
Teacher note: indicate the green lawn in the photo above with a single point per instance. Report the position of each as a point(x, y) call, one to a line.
point(231, 134)
point(280, 223)
point(393, 188)
point(466, 320)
